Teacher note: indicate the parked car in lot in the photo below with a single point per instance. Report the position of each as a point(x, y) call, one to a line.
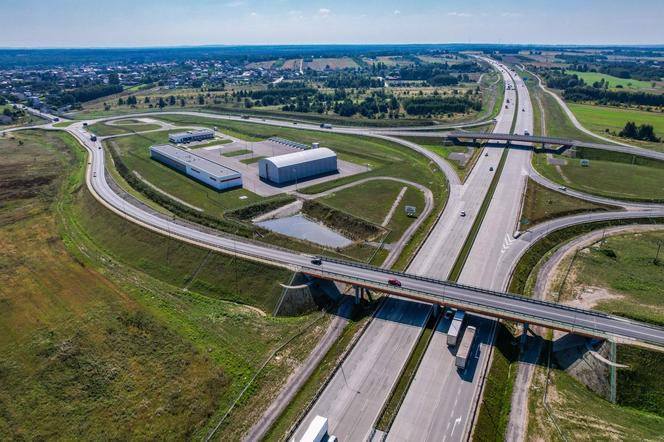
point(394, 282)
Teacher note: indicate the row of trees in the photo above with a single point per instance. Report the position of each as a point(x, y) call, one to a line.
point(644, 132)
point(436, 105)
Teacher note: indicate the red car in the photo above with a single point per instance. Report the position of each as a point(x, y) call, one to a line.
point(394, 282)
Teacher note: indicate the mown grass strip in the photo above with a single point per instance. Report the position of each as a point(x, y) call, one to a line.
point(397, 395)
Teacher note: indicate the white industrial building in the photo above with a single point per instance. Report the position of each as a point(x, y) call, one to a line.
point(298, 165)
point(201, 169)
point(191, 135)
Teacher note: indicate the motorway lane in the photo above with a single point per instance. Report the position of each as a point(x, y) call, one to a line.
point(355, 395)
point(428, 413)
point(434, 259)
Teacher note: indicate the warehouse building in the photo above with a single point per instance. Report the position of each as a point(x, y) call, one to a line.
point(201, 169)
point(298, 165)
point(191, 135)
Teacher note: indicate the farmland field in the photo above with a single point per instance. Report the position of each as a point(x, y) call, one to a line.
point(600, 118)
point(626, 83)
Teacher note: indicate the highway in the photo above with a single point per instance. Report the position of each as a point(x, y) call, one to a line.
point(434, 259)
point(425, 416)
point(470, 298)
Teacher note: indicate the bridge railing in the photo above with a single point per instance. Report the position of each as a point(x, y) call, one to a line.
point(570, 325)
point(495, 293)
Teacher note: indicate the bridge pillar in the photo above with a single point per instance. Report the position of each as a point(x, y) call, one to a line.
point(613, 350)
point(524, 335)
point(368, 293)
point(358, 294)
point(436, 310)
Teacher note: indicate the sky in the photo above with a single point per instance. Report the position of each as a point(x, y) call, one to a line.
point(128, 23)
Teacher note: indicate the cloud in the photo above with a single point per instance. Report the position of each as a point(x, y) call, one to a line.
point(397, 12)
point(511, 14)
point(460, 14)
point(253, 14)
point(324, 11)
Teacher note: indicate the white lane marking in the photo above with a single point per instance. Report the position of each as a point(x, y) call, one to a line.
point(457, 421)
point(507, 242)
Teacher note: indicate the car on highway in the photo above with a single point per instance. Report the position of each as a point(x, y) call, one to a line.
point(491, 169)
point(563, 188)
point(317, 260)
point(486, 154)
point(93, 138)
point(463, 213)
point(394, 282)
point(523, 110)
point(525, 132)
point(449, 313)
point(56, 119)
point(94, 174)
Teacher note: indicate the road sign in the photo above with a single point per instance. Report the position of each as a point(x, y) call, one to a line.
point(411, 210)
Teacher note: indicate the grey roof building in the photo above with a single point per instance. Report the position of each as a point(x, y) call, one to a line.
point(298, 165)
point(201, 169)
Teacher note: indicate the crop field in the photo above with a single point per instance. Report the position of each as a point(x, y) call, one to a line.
point(542, 204)
point(600, 118)
point(321, 64)
point(626, 83)
point(618, 176)
point(113, 331)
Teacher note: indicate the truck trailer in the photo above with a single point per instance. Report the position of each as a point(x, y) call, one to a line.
point(455, 328)
point(463, 353)
point(317, 430)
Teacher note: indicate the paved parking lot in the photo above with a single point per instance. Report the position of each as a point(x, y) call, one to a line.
point(267, 148)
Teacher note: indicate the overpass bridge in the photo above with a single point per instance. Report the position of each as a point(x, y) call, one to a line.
point(457, 135)
point(490, 303)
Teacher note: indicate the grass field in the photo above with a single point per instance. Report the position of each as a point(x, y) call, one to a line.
point(64, 123)
point(631, 274)
point(79, 356)
point(582, 415)
point(610, 174)
point(495, 406)
point(436, 146)
point(542, 204)
point(236, 153)
point(110, 331)
point(372, 201)
point(252, 160)
point(104, 130)
point(626, 83)
point(600, 118)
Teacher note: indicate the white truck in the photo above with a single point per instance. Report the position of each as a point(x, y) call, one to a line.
point(463, 352)
point(317, 430)
point(455, 328)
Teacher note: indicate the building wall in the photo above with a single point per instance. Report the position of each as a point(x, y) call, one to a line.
point(286, 174)
point(216, 182)
point(190, 137)
point(219, 183)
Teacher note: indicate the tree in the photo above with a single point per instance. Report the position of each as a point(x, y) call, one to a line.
point(182, 102)
point(146, 100)
point(162, 103)
point(647, 133)
point(629, 131)
point(171, 100)
point(201, 99)
point(113, 78)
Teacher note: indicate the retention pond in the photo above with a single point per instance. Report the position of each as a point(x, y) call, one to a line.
point(301, 227)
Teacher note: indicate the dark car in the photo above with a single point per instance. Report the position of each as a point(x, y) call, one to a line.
point(394, 282)
point(490, 169)
point(317, 260)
